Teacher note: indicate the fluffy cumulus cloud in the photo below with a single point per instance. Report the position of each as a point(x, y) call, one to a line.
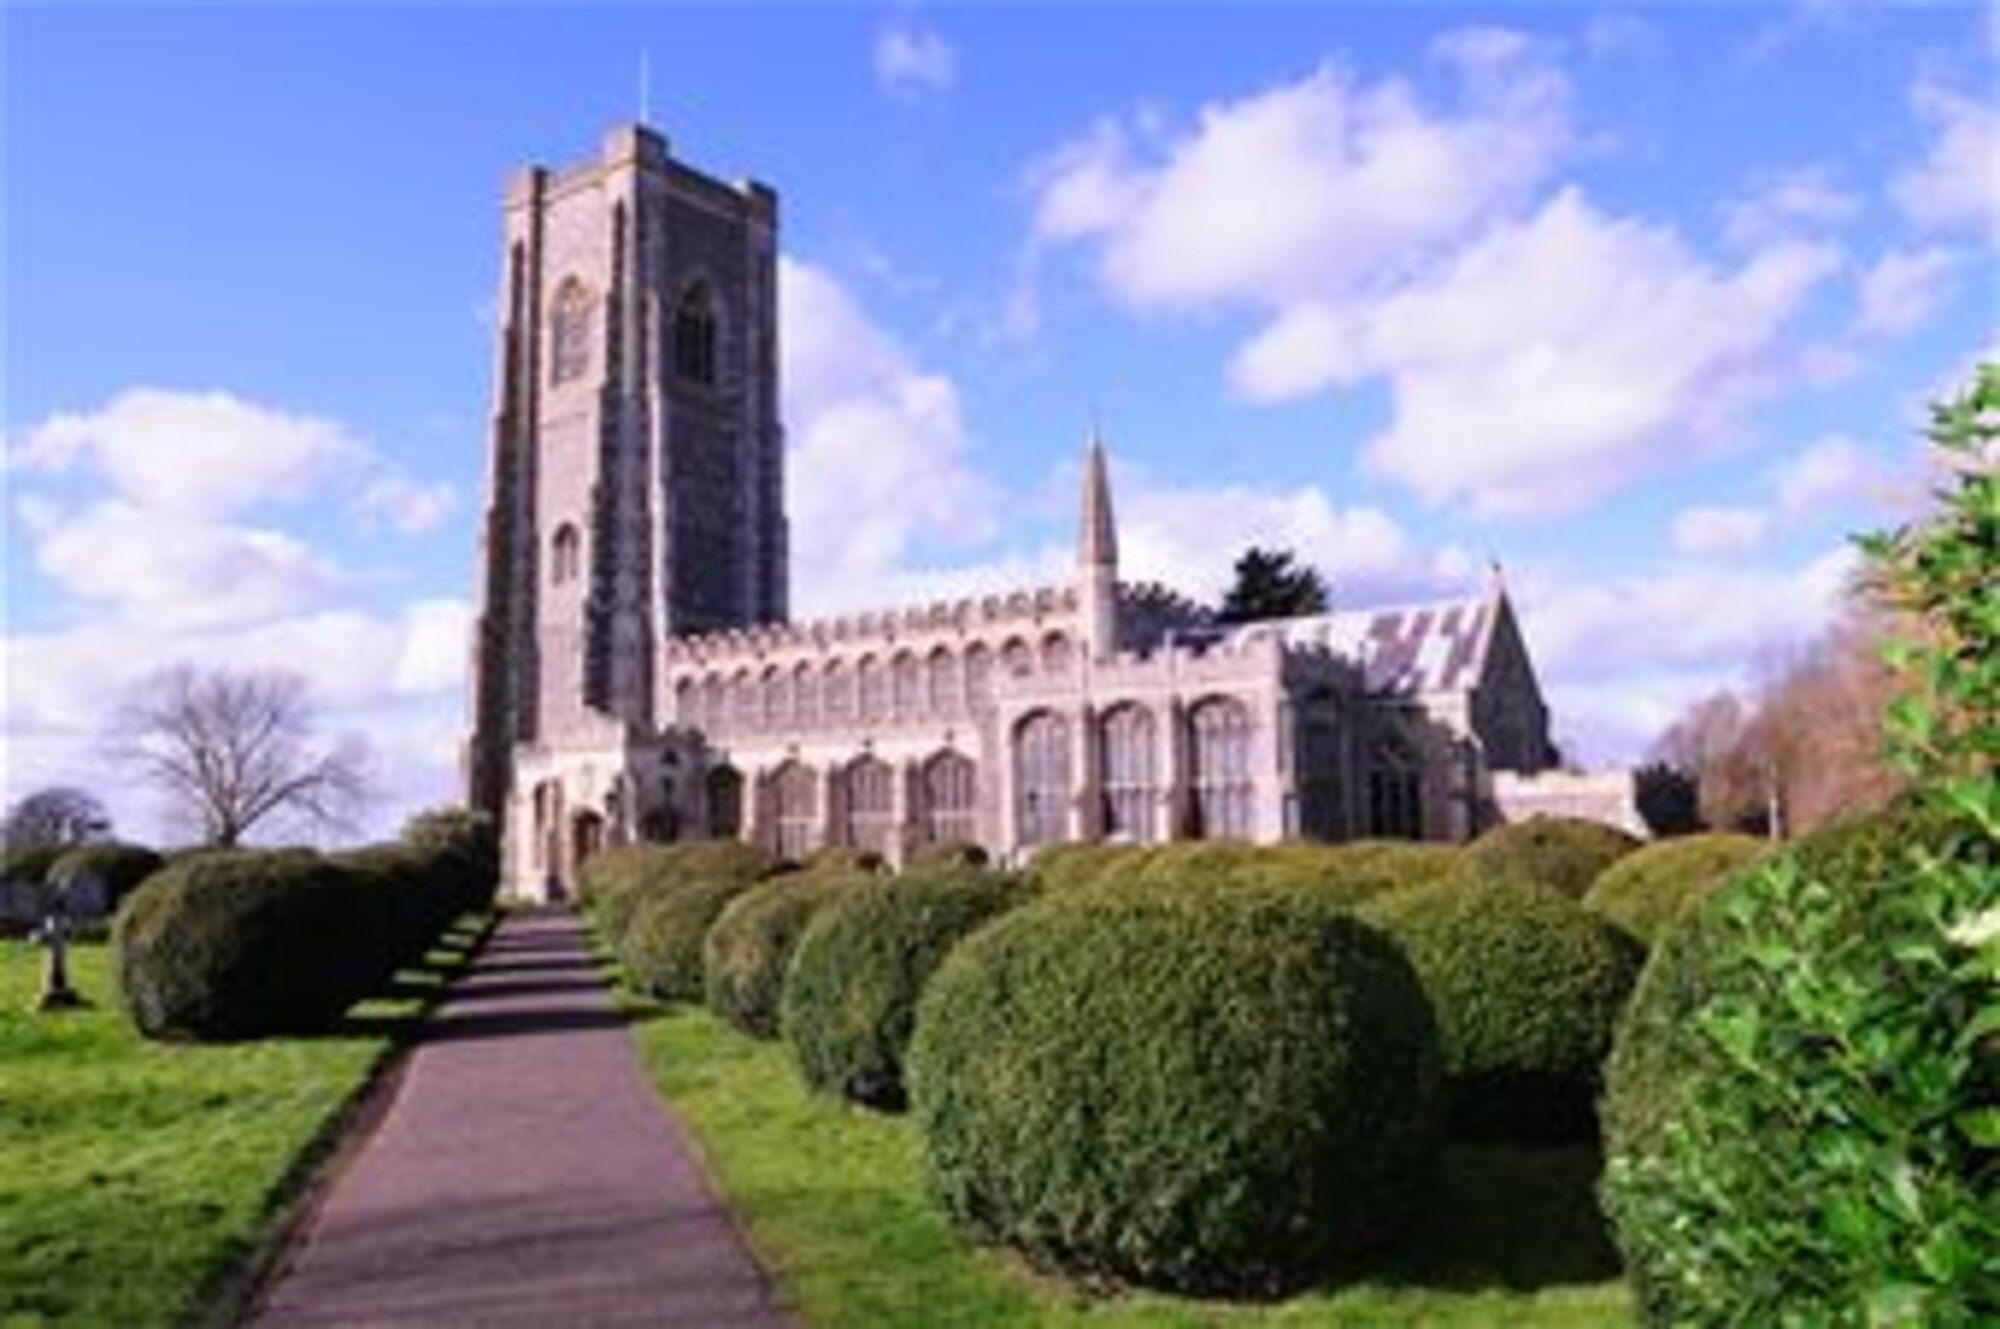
point(1710, 530)
point(1323, 185)
point(1795, 200)
point(1951, 184)
point(1900, 291)
point(878, 467)
point(1539, 350)
point(910, 57)
point(169, 526)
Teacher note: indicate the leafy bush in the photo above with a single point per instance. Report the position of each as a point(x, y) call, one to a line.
point(1211, 1092)
point(240, 944)
point(464, 845)
point(1647, 892)
point(30, 863)
point(1526, 987)
point(117, 868)
point(942, 857)
point(1565, 854)
point(1065, 867)
point(660, 948)
point(745, 954)
point(618, 880)
point(1801, 1111)
point(844, 858)
point(850, 995)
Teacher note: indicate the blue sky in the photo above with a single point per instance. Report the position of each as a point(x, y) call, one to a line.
point(1643, 302)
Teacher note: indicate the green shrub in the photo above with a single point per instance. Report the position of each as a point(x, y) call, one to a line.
point(29, 864)
point(745, 954)
point(1803, 1111)
point(1219, 1093)
point(1393, 865)
point(660, 948)
point(1526, 988)
point(844, 858)
point(616, 881)
point(464, 846)
point(118, 868)
point(240, 944)
point(1565, 854)
point(1065, 867)
point(1647, 892)
point(942, 857)
point(850, 995)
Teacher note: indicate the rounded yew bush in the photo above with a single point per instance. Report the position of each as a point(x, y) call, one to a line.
point(660, 948)
point(1565, 854)
point(241, 944)
point(117, 868)
point(951, 854)
point(745, 953)
point(1526, 987)
point(1649, 891)
point(617, 881)
point(1394, 865)
point(850, 995)
point(1066, 867)
point(1213, 1092)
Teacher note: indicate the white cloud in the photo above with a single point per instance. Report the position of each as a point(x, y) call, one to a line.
point(1830, 470)
point(1707, 531)
point(877, 461)
point(1551, 360)
point(1322, 186)
point(1901, 290)
point(1189, 539)
point(193, 452)
point(1955, 184)
point(1786, 203)
point(910, 57)
point(410, 505)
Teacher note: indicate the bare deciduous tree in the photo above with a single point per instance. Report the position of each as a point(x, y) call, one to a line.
point(229, 751)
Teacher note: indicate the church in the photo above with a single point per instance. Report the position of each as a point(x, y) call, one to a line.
point(636, 673)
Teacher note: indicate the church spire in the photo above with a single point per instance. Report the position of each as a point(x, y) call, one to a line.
point(1097, 540)
point(1097, 555)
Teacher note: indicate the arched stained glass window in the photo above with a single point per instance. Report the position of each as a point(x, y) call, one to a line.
point(569, 332)
point(978, 675)
point(1042, 779)
point(1056, 654)
point(870, 805)
point(777, 696)
point(724, 789)
point(1219, 769)
point(743, 707)
point(941, 683)
point(873, 683)
point(805, 697)
point(837, 702)
point(714, 705)
point(694, 335)
point(792, 800)
point(1395, 789)
point(906, 686)
point(565, 554)
point(948, 791)
point(1126, 757)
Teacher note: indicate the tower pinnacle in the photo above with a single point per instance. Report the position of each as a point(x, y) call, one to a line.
point(1097, 540)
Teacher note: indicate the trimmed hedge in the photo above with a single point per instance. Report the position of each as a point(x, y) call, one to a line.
point(1065, 867)
point(237, 945)
point(850, 993)
point(1565, 854)
point(745, 954)
point(464, 846)
point(660, 950)
point(943, 857)
point(1527, 988)
point(1217, 1093)
point(1789, 1110)
point(617, 881)
point(1649, 891)
point(118, 867)
point(1393, 865)
point(844, 858)
point(30, 863)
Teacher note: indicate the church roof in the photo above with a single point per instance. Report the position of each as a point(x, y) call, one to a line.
point(1431, 646)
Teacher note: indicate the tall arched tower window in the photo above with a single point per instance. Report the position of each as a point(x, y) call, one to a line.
point(1042, 779)
point(948, 786)
point(694, 334)
point(1125, 756)
point(1219, 754)
point(565, 555)
point(569, 336)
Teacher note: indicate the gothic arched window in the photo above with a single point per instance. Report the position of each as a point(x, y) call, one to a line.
point(1055, 654)
point(948, 790)
point(1395, 789)
point(1042, 779)
point(1318, 763)
point(569, 332)
point(906, 685)
point(805, 696)
point(792, 798)
point(838, 701)
point(874, 688)
point(715, 716)
point(687, 703)
point(724, 788)
point(978, 674)
point(941, 682)
point(870, 805)
point(1126, 758)
point(777, 698)
point(1219, 761)
point(565, 554)
point(743, 700)
point(1016, 658)
point(694, 335)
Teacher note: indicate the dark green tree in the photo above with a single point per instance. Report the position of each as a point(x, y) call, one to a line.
point(1270, 584)
point(57, 815)
point(1669, 799)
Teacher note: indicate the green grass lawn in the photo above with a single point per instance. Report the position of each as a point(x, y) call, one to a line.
point(833, 1198)
point(138, 1179)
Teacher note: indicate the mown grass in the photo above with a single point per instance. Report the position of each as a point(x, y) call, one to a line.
point(138, 1179)
point(833, 1199)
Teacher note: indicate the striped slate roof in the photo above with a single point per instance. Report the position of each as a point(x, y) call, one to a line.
point(1435, 646)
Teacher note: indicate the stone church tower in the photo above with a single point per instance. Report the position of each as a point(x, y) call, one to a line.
point(635, 480)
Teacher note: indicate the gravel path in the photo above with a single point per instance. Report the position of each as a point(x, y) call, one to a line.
point(525, 1173)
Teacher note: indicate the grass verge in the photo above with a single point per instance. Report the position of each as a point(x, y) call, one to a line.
point(833, 1198)
point(138, 1180)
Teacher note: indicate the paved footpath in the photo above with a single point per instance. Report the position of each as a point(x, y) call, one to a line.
point(525, 1174)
